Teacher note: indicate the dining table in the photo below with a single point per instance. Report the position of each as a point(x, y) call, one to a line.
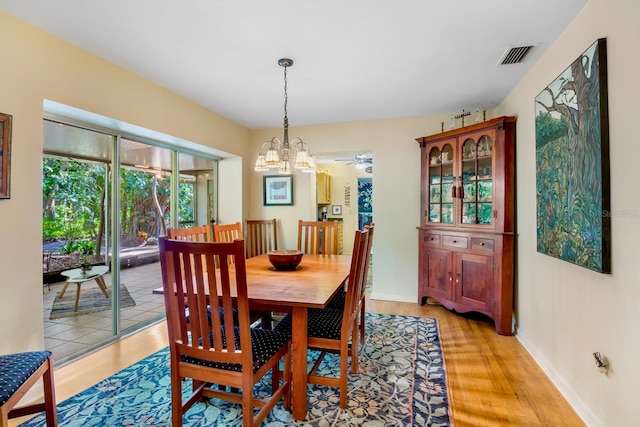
point(311, 285)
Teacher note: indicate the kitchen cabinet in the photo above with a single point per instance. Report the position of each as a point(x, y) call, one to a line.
point(467, 230)
point(323, 184)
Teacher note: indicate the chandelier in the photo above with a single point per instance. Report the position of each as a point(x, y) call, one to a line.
point(285, 157)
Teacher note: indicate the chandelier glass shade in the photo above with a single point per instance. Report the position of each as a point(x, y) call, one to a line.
point(285, 157)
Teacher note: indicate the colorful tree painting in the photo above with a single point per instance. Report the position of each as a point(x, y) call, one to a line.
point(572, 163)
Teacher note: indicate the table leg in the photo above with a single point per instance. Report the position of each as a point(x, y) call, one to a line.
point(102, 285)
point(299, 344)
point(64, 288)
point(75, 307)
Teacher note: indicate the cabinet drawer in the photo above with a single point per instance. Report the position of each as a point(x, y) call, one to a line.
point(455, 241)
point(431, 239)
point(482, 244)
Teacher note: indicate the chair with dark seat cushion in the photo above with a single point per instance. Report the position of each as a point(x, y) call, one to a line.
point(336, 331)
point(339, 300)
point(214, 351)
point(18, 373)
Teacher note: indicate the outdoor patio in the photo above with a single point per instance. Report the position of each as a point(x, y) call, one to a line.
point(70, 335)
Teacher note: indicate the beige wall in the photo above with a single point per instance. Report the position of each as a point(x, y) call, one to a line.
point(396, 192)
point(564, 312)
point(35, 67)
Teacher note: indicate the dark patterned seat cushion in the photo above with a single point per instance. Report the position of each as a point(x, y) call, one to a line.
point(322, 323)
point(221, 311)
point(16, 368)
point(338, 301)
point(265, 344)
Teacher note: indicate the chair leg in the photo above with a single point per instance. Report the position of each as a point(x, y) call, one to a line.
point(362, 316)
point(287, 379)
point(50, 395)
point(354, 351)
point(176, 401)
point(4, 418)
point(344, 354)
point(247, 405)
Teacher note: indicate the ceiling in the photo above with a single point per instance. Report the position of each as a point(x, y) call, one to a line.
point(353, 60)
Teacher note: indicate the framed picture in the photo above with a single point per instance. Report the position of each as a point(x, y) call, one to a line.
point(278, 190)
point(5, 155)
point(336, 209)
point(572, 163)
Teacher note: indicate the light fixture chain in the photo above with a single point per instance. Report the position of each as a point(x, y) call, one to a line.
point(280, 155)
point(285, 93)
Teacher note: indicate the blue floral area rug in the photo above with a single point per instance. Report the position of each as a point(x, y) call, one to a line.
point(401, 382)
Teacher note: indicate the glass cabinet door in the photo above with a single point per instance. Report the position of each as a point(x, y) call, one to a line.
point(477, 181)
point(441, 182)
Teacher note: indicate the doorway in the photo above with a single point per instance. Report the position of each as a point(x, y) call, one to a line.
point(365, 202)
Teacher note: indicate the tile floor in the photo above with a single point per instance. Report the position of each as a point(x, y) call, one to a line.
point(68, 337)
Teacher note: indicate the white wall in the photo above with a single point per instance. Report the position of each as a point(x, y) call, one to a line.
point(35, 67)
point(565, 312)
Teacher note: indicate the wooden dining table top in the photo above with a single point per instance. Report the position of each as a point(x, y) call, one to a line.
point(316, 280)
point(312, 284)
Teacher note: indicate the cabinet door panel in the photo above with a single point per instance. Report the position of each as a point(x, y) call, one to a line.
point(474, 280)
point(438, 278)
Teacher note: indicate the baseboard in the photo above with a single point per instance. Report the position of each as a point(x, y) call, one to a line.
point(578, 405)
point(393, 297)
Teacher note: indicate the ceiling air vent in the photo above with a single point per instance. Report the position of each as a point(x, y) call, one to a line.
point(515, 55)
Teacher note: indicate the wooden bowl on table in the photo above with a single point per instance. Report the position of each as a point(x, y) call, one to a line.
point(285, 260)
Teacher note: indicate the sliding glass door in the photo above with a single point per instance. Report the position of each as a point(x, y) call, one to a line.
point(120, 216)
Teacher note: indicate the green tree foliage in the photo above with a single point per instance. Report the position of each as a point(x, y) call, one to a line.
point(71, 198)
point(549, 129)
point(72, 202)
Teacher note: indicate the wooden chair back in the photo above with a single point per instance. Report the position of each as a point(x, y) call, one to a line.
point(226, 233)
point(361, 306)
point(261, 236)
point(191, 234)
point(357, 279)
point(347, 344)
point(213, 350)
point(318, 237)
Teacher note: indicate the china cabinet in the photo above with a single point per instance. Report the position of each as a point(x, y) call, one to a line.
point(467, 230)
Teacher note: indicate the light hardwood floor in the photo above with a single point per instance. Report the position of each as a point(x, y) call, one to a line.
point(492, 380)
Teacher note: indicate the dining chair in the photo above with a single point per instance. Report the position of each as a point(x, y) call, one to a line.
point(227, 233)
point(340, 299)
point(218, 353)
point(19, 372)
point(192, 234)
point(336, 331)
point(203, 234)
point(318, 237)
point(261, 236)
